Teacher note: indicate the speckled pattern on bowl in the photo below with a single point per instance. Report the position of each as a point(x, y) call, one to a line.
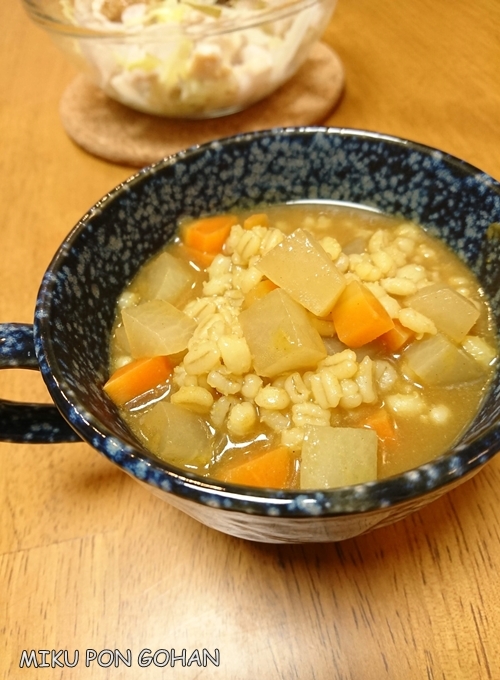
point(76, 305)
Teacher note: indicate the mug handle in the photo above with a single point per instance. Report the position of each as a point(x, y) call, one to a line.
point(27, 423)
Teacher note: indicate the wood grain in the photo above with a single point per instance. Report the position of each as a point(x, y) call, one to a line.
point(89, 560)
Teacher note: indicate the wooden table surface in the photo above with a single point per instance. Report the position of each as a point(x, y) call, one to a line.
point(91, 561)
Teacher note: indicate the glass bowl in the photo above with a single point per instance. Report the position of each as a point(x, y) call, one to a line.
point(185, 58)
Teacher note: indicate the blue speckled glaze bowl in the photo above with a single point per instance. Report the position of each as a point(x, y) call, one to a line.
point(76, 307)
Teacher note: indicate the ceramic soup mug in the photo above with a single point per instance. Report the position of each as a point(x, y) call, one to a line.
point(75, 309)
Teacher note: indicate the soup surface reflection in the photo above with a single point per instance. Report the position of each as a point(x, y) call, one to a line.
point(305, 346)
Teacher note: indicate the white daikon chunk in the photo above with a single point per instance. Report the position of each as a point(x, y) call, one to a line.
point(437, 361)
point(177, 435)
point(121, 340)
point(451, 312)
point(280, 335)
point(156, 328)
point(166, 278)
point(479, 350)
point(302, 267)
point(338, 456)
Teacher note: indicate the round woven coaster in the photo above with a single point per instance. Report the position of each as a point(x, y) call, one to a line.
point(107, 129)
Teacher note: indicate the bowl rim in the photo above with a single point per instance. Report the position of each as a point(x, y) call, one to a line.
point(62, 25)
point(457, 463)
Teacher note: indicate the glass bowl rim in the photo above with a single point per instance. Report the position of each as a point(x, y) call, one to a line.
point(61, 26)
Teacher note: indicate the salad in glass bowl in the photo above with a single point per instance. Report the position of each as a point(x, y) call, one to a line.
point(186, 58)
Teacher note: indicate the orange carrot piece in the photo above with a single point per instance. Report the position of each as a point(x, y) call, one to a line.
point(397, 337)
point(273, 469)
point(208, 234)
point(259, 291)
point(380, 421)
point(198, 257)
point(256, 220)
point(137, 377)
point(359, 317)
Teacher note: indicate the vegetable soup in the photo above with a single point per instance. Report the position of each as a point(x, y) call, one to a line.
point(305, 346)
